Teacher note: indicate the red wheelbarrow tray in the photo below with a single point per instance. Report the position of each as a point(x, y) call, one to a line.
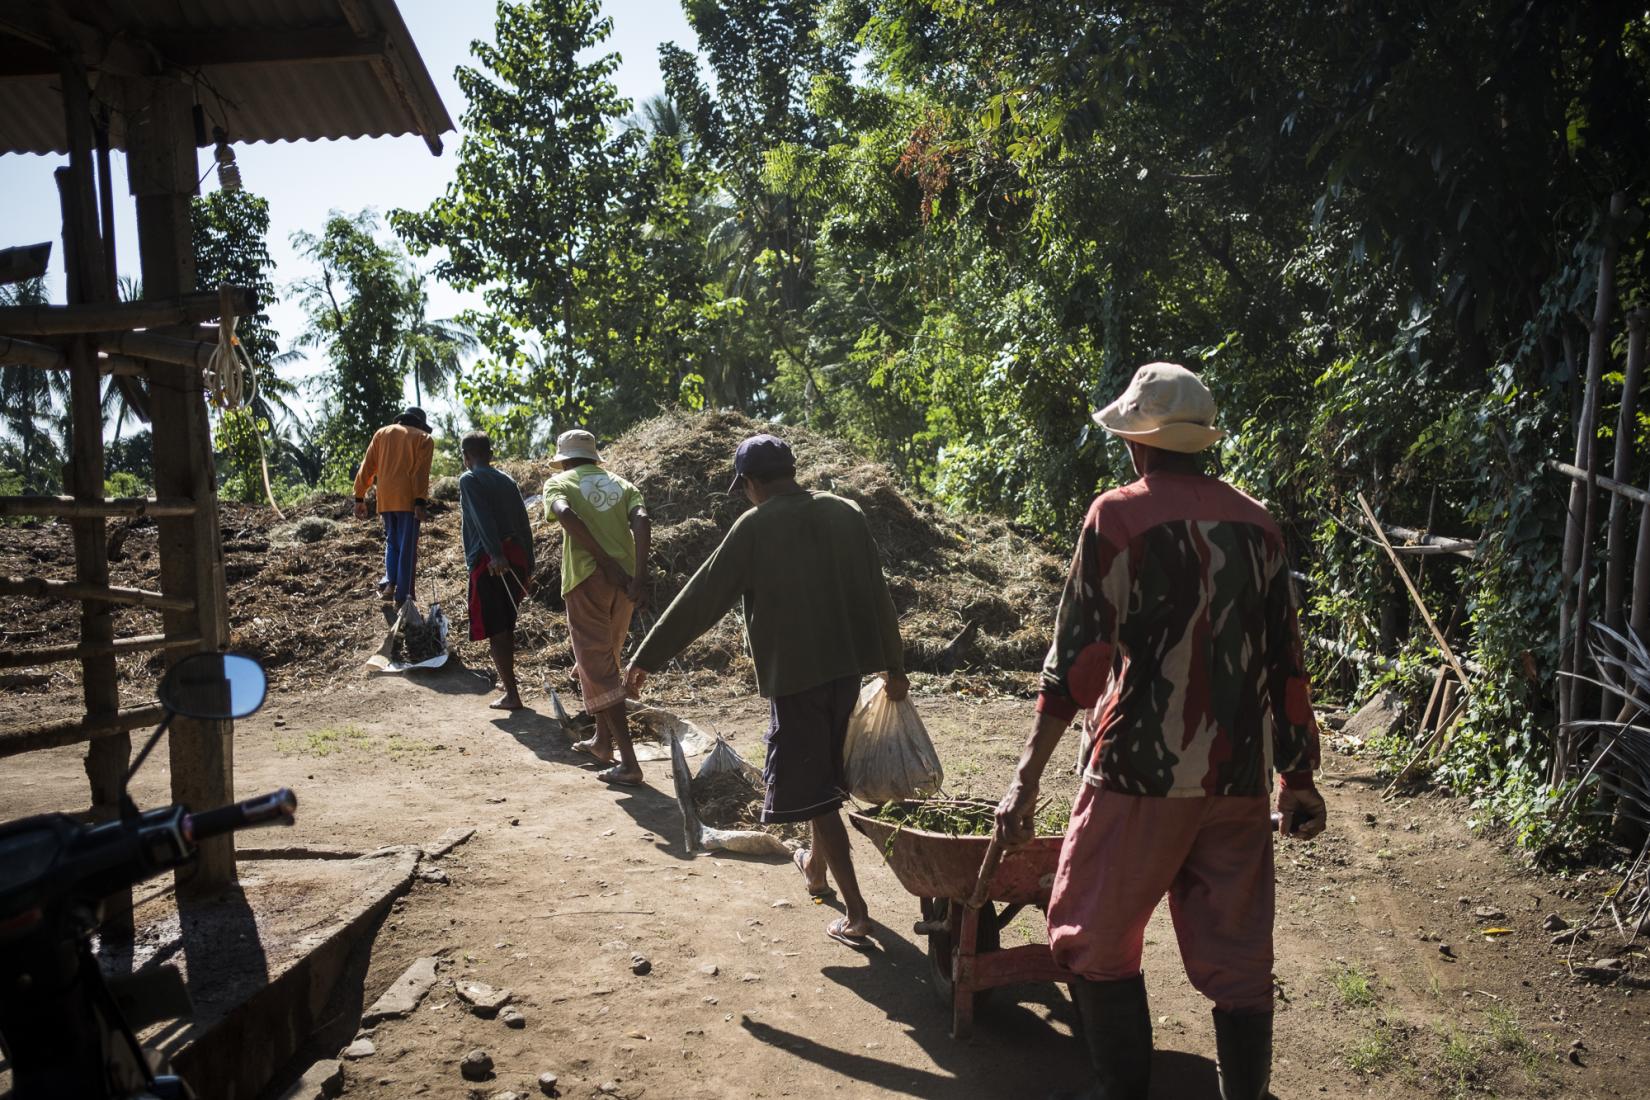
point(942, 870)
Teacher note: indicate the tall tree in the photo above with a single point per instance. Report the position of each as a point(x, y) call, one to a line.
point(539, 217)
point(30, 404)
point(433, 351)
point(358, 304)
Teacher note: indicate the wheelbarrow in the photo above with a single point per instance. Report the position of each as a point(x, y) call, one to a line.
point(970, 889)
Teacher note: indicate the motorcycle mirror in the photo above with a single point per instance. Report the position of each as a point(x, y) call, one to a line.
point(214, 686)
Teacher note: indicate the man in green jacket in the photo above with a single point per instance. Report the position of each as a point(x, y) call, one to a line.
point(818, 617)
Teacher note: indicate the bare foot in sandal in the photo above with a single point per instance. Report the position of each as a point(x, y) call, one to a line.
point(591, 747)
point(620, 778)
point(847, 930)
point(508, 701)
point(805, 861)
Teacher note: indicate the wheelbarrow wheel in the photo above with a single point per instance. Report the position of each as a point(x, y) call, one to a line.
point(942, 952)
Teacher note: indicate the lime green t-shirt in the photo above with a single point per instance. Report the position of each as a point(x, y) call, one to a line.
point(604, 502)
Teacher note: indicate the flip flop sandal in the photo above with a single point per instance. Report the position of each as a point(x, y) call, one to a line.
point(799, 858)
point(616, 777)
point(586, 748)
point(837, 931)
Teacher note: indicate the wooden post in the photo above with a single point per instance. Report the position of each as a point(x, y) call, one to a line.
point(1577, 529)
point(1615, 553)
point(162, 167)
point(89, 280)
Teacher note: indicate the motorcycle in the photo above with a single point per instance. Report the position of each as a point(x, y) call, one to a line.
point(63, 1030)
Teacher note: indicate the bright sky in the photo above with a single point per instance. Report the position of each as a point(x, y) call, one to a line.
point(304, 181)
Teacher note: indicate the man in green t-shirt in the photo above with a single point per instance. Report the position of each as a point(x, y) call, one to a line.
point(603, 579)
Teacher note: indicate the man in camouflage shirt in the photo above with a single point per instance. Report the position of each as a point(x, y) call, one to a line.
point(1177, 636)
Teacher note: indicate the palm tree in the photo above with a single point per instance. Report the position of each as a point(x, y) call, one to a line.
point(432, 351)
point(31, 404)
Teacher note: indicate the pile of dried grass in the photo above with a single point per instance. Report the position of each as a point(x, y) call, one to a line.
point(945, 571)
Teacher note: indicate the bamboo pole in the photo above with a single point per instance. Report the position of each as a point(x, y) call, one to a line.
point(73, 731)
point(1598, 349)
point(1608, 484)
point(23, 353)
point(1615, 552)
point(167, 349)
point(1403, 574)
point(47, 655)
point(1372, 660)
point(1575, 536)
point(95, 509)
point(92, 280)
point(97, 317)
point(74, 590)
point(1420, 542)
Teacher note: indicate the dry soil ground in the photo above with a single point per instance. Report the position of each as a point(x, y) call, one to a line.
point(1387, 987)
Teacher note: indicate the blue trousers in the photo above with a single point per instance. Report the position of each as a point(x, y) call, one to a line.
point(400, 552)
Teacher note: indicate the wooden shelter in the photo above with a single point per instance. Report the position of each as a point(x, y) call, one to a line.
point(159, 79)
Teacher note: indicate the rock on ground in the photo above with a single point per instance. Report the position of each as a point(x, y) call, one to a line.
point(483, 999)
point(401, 998)
point(477, 1065)
point(1376, 717)
point(322, 1080)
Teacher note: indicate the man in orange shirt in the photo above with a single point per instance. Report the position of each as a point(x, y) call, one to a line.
point(398, 459)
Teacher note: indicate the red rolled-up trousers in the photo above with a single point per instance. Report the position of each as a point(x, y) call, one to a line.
point(1212, 857)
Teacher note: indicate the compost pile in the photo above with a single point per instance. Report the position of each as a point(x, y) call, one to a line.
point(976, 601)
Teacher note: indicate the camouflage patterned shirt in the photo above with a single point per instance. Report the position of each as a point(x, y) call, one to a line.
point(1177, 632)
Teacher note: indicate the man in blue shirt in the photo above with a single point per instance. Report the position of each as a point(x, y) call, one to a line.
point(498, 549)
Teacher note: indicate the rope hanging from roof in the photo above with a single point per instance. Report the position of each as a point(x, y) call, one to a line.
point(232, 382)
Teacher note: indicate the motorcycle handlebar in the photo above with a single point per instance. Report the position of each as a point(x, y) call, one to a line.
point(274, 808)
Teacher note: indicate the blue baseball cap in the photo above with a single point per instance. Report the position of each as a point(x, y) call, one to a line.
point(761, 456)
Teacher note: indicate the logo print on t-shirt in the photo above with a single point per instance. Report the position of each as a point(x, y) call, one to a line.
point(601, 490)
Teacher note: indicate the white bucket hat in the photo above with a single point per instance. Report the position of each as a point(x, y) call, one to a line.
point(577, 443)
point(1165, 406)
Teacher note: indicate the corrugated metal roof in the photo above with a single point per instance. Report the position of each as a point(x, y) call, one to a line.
point(339, 97)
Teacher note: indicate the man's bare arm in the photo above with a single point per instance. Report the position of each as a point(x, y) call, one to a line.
point(1016, 814)
point(580, 533)
point(641, 529)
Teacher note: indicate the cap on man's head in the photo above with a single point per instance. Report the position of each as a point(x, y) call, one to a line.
point(1165, 406)
point(763, 457)
point(577, 443)
point(413, 417)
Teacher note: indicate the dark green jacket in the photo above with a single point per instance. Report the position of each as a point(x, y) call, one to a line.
point(816, 606)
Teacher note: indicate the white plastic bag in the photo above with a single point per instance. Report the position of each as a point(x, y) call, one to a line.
point(888, 754)
point(699, 837)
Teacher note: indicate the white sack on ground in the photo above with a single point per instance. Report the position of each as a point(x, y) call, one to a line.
point(699, 837)
point(888, 754)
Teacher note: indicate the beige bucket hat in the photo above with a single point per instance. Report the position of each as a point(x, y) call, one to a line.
point(577, 443)
point(1165, 406)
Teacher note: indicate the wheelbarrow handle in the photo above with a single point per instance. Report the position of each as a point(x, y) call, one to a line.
point(988, 871)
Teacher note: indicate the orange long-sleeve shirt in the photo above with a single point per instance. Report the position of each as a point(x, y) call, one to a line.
point(398, 458)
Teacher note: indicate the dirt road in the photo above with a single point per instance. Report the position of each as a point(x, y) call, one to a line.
point(1387, 986)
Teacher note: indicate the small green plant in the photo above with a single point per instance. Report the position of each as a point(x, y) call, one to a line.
point(1352, 985)
point(1460, 1062)
point(1505, 1034)
point(324, 742)
point(1390, 752)
point(1374, 1051)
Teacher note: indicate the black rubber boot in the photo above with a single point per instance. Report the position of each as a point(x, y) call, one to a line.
point(1117, 1028)
point(1243, 1046)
